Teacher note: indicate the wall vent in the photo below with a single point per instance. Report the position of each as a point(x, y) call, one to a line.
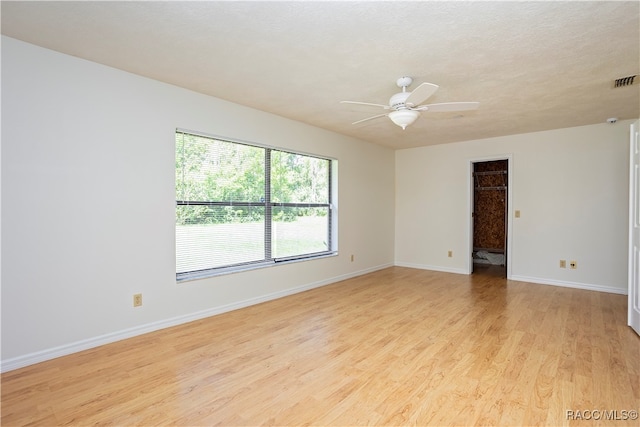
point(625, 81)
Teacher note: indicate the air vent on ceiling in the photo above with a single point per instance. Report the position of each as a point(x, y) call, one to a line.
point(626, 81)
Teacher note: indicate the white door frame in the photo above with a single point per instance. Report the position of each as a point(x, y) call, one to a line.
point(633, 310)
point(470, 199)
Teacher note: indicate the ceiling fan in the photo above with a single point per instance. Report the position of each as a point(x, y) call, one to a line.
point(406, 106)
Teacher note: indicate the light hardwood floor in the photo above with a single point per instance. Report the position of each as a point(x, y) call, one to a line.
point(396, 347)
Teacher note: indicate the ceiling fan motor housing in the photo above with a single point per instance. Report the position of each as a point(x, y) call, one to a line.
point(397, 101)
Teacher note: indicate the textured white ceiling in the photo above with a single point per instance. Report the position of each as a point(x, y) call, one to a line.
point(531, 65)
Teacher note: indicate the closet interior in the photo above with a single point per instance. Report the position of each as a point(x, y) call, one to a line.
point(490, 183)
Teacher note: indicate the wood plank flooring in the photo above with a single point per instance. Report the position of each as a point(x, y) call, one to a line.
point(396, 347)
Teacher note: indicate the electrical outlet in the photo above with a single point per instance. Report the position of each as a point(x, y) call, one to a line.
point(573, 265)
point(563, 263)
point(450, 254)
point(137, 300)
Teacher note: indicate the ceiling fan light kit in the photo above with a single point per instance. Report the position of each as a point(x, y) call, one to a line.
point(403, 118)
point(406, 105)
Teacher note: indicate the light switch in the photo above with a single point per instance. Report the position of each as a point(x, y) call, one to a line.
point(517, 214)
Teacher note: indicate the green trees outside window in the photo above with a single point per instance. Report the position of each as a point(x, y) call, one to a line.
point(240, 204)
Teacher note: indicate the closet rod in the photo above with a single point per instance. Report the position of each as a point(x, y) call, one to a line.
point(491, 188)
point(491, 173)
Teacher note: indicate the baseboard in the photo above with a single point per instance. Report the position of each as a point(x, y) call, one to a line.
point(63, 350)
point(432, 267)
point(536, 280)
point(577, 285)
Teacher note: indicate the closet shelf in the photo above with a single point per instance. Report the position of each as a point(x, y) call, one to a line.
point(486, 183)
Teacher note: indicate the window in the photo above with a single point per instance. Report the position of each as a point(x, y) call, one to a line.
point(240, 205)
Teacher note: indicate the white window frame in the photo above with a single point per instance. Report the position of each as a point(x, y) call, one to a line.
point(269, 205)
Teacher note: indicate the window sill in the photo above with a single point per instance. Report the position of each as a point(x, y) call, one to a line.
point(205, 274)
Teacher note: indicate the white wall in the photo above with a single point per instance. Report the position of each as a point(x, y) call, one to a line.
point(88, 204)
point(571, 186)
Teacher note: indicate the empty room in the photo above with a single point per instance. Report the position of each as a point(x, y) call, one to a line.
point(320, 213)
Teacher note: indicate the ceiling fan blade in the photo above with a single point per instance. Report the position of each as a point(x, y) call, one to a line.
point(422, 92)
point(448, 106)
point(369, 118)
point(386, 107)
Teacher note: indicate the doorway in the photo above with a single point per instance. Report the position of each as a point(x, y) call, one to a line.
point(490, 217)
